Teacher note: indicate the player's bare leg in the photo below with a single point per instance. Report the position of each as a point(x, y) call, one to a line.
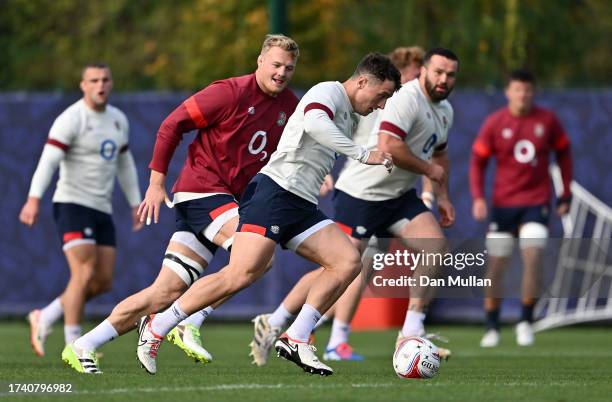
point(496, 268)
point(332, 249)
point(530, 288)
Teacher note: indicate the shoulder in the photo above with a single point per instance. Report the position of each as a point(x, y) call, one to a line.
point(544, 113)
point(116, 112)
point(72, 114)
point(497, 116)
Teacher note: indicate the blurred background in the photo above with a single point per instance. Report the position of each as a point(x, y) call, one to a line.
point(161, 51)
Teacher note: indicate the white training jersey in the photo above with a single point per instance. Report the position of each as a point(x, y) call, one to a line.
point(92, 141)
point(410, 116)
point(366, 125)
point(321, 127)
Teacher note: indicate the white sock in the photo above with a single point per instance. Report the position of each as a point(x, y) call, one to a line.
point(97, 337)
point(196, 319)
point(51, 313)
point(321, 321)
point(163, 322)
point(339, 334)
point(71, 333)
point(413, 324)
point(279, 317)
point(304, 323)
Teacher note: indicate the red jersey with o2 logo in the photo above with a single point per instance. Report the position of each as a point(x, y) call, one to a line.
point(521, 146)
point(239, 127)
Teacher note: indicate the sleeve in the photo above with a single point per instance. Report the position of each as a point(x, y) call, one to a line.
point(203, 109)
point(561, 145)
point(319, 110)
point(399, 115)
point(64, 129)
point(481, 152)
point(128, 177)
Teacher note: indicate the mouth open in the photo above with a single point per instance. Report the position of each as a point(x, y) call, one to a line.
point(278, 81)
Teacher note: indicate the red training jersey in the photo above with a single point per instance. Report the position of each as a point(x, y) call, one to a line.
point(239, 128)
point(521, 146)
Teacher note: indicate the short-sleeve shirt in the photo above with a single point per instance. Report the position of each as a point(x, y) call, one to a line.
point(239, 128)
point(521, 146)
point(410, 116)
point(300, 163)
point(92, 140)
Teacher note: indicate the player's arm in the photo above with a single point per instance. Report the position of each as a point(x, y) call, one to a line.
point(319, 125)
point(445, 207)
point(481, 152)
point(61, 135)
point(200, 110)
point(561, 145)
point(405, 159)
point(128, 181)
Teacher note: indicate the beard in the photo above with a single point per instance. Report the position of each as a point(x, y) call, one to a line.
point(433, 94)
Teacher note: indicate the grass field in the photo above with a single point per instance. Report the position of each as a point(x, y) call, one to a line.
point(572, 364)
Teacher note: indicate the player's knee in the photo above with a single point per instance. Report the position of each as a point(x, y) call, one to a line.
point(99, 286)
point(533, 234)
point(500, 244)
point(84, 275)
point(186, 268)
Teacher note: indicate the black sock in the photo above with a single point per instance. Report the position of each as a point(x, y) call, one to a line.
point(493, 319)
point(527, 313)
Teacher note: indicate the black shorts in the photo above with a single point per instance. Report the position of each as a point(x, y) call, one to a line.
point(78, 225)
point(361, 219)
point(510, 219)
point(271, 211)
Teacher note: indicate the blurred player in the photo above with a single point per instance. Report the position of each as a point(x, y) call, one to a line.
point(240, 121)
point(367, 203)
point(408, 60)
point(280, 206)
point(520, 137)
point(89, 143)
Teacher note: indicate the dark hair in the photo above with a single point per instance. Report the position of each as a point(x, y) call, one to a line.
point(93, 65)
point(522, 75)
point(381, 67)
point(440, 51)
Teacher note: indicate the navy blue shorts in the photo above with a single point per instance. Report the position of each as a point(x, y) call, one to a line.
point(270, 210)
point(510, 219)
point(78, 225)
point(204, 217)
point(361, 219)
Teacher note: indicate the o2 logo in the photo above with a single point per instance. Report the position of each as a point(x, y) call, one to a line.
point(430, 143)
point(524, 151)
point(258, 143)
point(108, 149)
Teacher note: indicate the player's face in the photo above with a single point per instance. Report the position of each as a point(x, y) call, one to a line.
point(520, 96)
point(96, 85)
point(371, 94)
point(274, 70)
point(410, 72)
point(438, 77)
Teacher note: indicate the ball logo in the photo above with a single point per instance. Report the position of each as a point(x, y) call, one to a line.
point(524, 151)
point(108, 149)
point(260, 138)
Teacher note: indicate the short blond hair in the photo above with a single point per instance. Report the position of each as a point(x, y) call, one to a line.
point(282, 41)
point(402, 57)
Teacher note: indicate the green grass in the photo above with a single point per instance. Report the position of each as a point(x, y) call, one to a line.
point(572, 364)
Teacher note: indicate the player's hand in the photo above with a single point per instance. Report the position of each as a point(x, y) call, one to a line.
point(563, 208)
point(148, 211)
point(327, 186)
point(136, 223)
point(436, 173)
point(479, 209)
point(381, 158)
point(447, 212)
point(29, 211)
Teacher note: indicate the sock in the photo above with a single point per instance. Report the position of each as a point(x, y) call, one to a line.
point(196, 319)
point(279, 317)
point(304, 323)
point(527, 313)
point(321, 321)
point(71, 333)
point(163, 322)
point(339, 334)
point(97, 337)
point(51, 313)
point(493, 319)
point(413, 324)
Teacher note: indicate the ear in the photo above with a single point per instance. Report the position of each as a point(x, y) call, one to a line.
point(82, 85)
point(259, 60)
point(362, 81)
